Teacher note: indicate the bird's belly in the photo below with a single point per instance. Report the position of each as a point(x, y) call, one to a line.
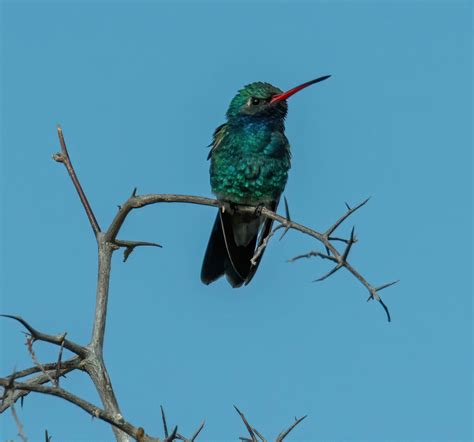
point(253, 181)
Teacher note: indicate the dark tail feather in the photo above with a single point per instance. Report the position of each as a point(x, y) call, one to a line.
point(238, 256)
point(215, 259)
point(224, 257)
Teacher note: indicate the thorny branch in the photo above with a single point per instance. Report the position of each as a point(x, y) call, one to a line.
point(255, 435)
point(135, 202)
point(19, 425)
point(10, 396)
point(89, 358)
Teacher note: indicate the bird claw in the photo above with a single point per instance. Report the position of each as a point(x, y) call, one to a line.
point(228, 207)
point(258, 209)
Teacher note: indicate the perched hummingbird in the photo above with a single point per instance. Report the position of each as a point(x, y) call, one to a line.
point(250, 159)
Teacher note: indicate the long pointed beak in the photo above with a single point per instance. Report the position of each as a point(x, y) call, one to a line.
point(288, 94)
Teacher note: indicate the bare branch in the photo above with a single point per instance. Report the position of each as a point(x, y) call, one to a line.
point(247, 425)
point(341, 260)
point(285, 433)
point(19, 425)
point(259, 434)
point(172, 436)
point(335, 238)
point(10, 396)
point(63, 157)
point(29, 344)
point(261, 248)
point(311, 254)
point(130, 246)
point(72, 363)
point(57, 340)
point(90, 358)
point(135, 202)
point(193, 437)
point(60, 356)
point(254, 433)
point(345, 216)
point(196, 433)
point(116, 420)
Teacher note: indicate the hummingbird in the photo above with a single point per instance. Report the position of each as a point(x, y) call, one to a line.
point(250, 159)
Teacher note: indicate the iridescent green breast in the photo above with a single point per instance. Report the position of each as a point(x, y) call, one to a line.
point(249, 163)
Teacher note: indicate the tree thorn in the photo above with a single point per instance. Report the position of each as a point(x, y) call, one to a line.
point(163, 418)
point(331, 272)
point(196, 433)
point(378, 289)
point(349, 245)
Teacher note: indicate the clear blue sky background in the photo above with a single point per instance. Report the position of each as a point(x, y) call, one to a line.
point(139, 88)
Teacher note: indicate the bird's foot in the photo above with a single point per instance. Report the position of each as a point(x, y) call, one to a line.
point(229, 207)
point(258, 209)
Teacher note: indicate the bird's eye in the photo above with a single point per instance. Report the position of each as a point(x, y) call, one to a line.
point(255, 101)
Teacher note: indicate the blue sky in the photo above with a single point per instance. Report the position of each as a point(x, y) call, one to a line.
point(139, 88)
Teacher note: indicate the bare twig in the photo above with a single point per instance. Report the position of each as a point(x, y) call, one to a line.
point(29, 344)
point(135, 202)
point(60, 356)
point(72, 363)
point(247, 425)
point(311, 254)
point(19, 425)
point(285, 433)
point(197, 432)
point(10, 396)
point(116, 420)
point(254, 433)
point(345, 216)
point(341, 259)
point(174, 434)
point(261, 248)
point(130, 246)
point(63, 157)
point(57, 340)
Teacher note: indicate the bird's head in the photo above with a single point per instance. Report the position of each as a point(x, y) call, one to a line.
point(264, 101)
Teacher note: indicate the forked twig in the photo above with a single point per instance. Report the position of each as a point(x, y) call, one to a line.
point(254, 433)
